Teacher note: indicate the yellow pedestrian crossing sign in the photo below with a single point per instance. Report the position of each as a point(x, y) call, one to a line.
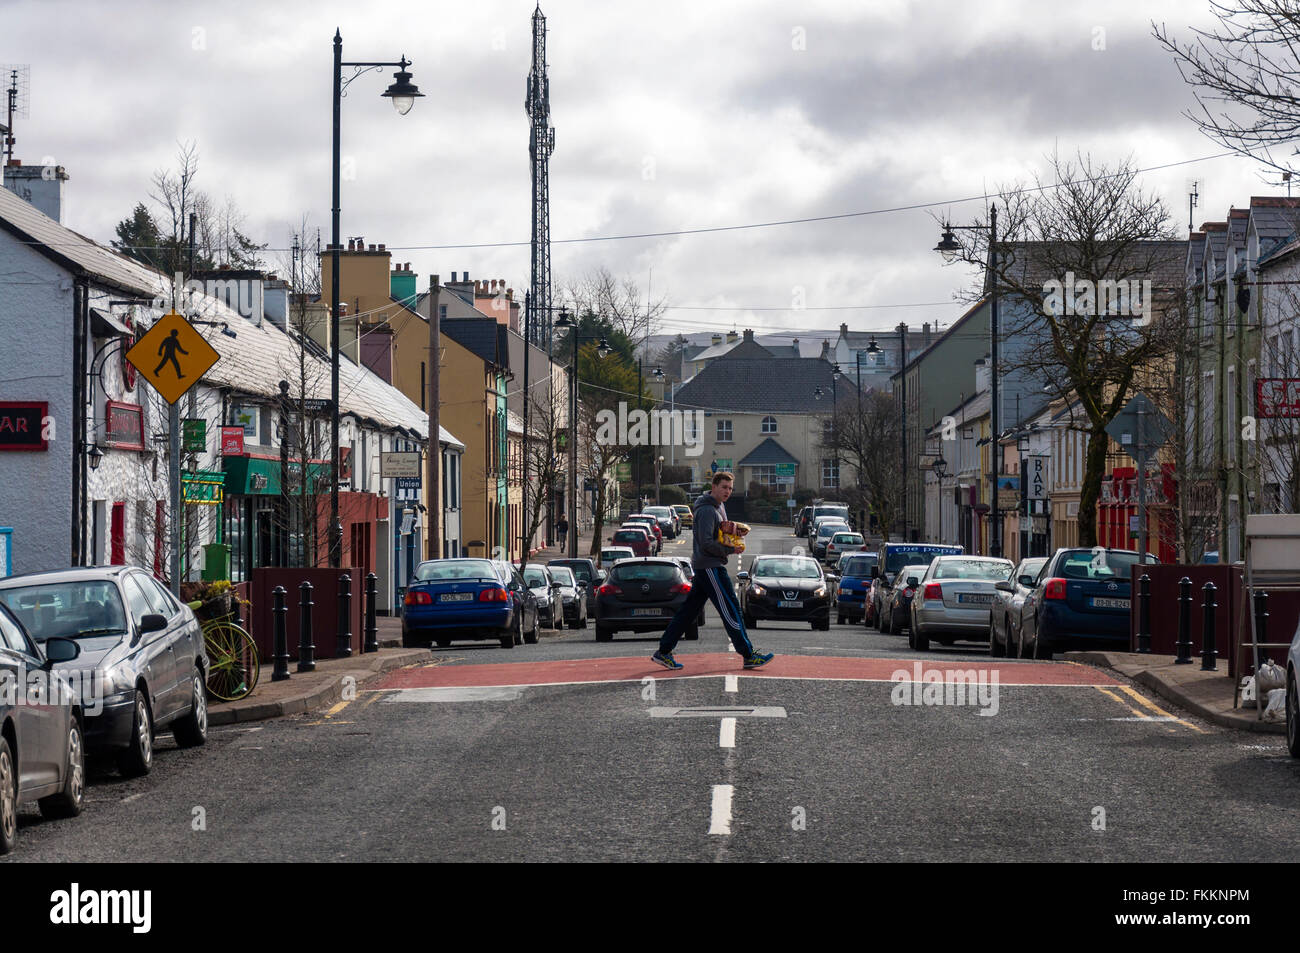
point(172, 356)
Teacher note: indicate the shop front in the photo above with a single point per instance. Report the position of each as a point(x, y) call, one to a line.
point(270, 522)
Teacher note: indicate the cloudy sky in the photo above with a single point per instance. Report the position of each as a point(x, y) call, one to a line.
point(668, 116)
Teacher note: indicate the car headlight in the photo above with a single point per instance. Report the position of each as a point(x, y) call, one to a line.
point(819, 592)
point(759, 590)
point(109, 685)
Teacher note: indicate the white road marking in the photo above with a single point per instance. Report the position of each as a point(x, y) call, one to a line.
point(727, 733)
point(455, 694)
point(720, 820)
point(132, 797)
point(730, 683)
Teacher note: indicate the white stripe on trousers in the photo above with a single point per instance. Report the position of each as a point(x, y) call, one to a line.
point(724, 607)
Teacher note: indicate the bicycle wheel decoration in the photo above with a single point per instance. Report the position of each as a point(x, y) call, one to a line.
point(233, 665)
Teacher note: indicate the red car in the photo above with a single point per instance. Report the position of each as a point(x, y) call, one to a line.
point(637, 537)
point(651, 524)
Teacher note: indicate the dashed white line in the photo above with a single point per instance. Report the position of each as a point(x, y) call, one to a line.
point(727, 733)
point(720, 822)
point(730, 684)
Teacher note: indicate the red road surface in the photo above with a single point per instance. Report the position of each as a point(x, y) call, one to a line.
point(783, 666)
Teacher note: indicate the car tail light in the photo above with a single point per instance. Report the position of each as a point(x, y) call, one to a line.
point(680, 588)
point(493, 595)
point(933, 590)
point(609, 590)
point(417, 597)
point(1054, 589)
point(842, 592)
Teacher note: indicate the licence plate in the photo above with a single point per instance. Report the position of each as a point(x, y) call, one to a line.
point(789, 605)
point(647, 612)
point(976, 598)
point(456, 597)
point(1100, 603)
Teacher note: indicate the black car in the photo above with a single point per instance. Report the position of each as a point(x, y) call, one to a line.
point(142, 652)
point(42, 749)
point(573, 597)
point(546, 590)
point(588, 576)
point(785, 589)
point(642, 595)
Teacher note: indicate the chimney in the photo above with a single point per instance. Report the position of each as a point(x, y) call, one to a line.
point(402, 283)
point(844, 330)
point(826, 349)
point(40, 186)
point(795, 344)
point(925, 334)
point(731, 337)
point(275, 301)
point(381, 246)
point(717, 339)
point(749, 334)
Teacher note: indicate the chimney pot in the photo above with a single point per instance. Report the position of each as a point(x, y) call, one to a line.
point(372, 246)
point(844, 330)
point(381, 246)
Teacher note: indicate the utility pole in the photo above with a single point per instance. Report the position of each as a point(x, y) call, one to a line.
point(433, 457)
point(525, 519)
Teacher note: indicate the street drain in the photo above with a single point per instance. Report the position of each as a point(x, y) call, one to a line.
point(710, 711)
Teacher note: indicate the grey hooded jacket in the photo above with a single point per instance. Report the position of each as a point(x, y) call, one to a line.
point(706, 551)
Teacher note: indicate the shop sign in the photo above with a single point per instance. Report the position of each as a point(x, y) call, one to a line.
point(124, 425)
point(22, 425)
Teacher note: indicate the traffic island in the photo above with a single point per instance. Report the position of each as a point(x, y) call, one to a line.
point(1207, 695)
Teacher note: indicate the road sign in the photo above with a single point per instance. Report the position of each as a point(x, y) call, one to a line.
point(172, 356)
point(1140, 442)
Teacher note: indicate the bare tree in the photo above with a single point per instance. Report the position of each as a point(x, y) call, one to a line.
point(614, 301)
point(1085, 267)
point(543, 461)
point(857, 437)
point(1246, 72)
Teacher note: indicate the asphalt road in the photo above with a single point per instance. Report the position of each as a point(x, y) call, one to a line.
point(541, 753)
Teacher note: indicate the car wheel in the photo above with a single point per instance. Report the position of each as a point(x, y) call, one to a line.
point(603, 634)
point(996, 649)
point(531, 637)
point(822, 626)
point(1042, 648)
point(692, 633)
point(69, 801)
point(1292, 718)
point(839, 618)
point(880, 618)
point(8, 798)
point(192, 730)
point(920, 641)
point(137, 760)
point(1020, 643)
point(581, 623)
point(519, 631)
point(887, 622)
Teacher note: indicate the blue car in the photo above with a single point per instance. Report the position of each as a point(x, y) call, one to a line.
point(850, 596)
point(1080, 598)
point(464, 599)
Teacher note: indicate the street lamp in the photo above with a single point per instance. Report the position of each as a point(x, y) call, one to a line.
point(95, 455)
point(940, 467)
point(657, 374)
point(603, 350)
point(403, 94)
point(950, 249)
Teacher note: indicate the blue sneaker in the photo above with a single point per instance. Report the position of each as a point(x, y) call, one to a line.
point(758, 659)
point(666, 660)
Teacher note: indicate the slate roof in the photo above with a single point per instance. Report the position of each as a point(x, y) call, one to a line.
point(483, 337)
point(1164, 262)
point(763, 385)
point(767, 453)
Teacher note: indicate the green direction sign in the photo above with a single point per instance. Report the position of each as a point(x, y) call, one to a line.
point(194, 435)
point(785, 471)
point(625, 472)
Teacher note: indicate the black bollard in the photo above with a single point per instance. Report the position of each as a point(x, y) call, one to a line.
point(1144, 614)
point(372, 598)
point(343, 648)
point(1209, 651)
point(280, 614)
point(306, 650)
point(1184, 622)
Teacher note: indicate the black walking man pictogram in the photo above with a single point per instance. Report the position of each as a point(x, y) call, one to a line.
point(168, 350)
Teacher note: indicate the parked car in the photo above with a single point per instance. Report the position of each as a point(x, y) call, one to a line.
point(612, 554)
point(890, 558)
point(1081, 597)
point(1292, 697)
point(546, 590)
point(850, 594)
point(842, 543)
point(1008, 600)
point(461, 598)
point(641, 595)
point(652, 524)
point(954, 599)
point(801, 521)
point(573, 598)
point(588, 575)
point(637, 538)
point(524, 600)
point(896, 611)
point(839, 511)
point(785, 589)
point(668, 521)
point(42, 748)
point(140, 646)
point(826, 530)
point(684, 515)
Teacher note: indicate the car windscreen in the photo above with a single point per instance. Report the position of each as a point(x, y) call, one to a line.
point(986, 570)
point(1084, 564)
point(830, 529)
point(582, 570)
point(456, 570)
point(69, 609)
point(841, 511)
point(562, 574)
point(629, 536)
point(794, 568)
point(535, 576)
point(896, 559)
point(850, 538)
point(859, 565)
point(645, 572)
point(912, 572)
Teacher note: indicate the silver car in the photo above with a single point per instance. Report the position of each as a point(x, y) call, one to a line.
point(1004, 618)
point(954, 599)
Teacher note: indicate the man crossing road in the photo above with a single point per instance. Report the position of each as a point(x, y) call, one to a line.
point(712, 584)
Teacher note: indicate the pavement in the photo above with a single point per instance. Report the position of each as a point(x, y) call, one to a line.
point(305, 691)
point(1206, 694)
